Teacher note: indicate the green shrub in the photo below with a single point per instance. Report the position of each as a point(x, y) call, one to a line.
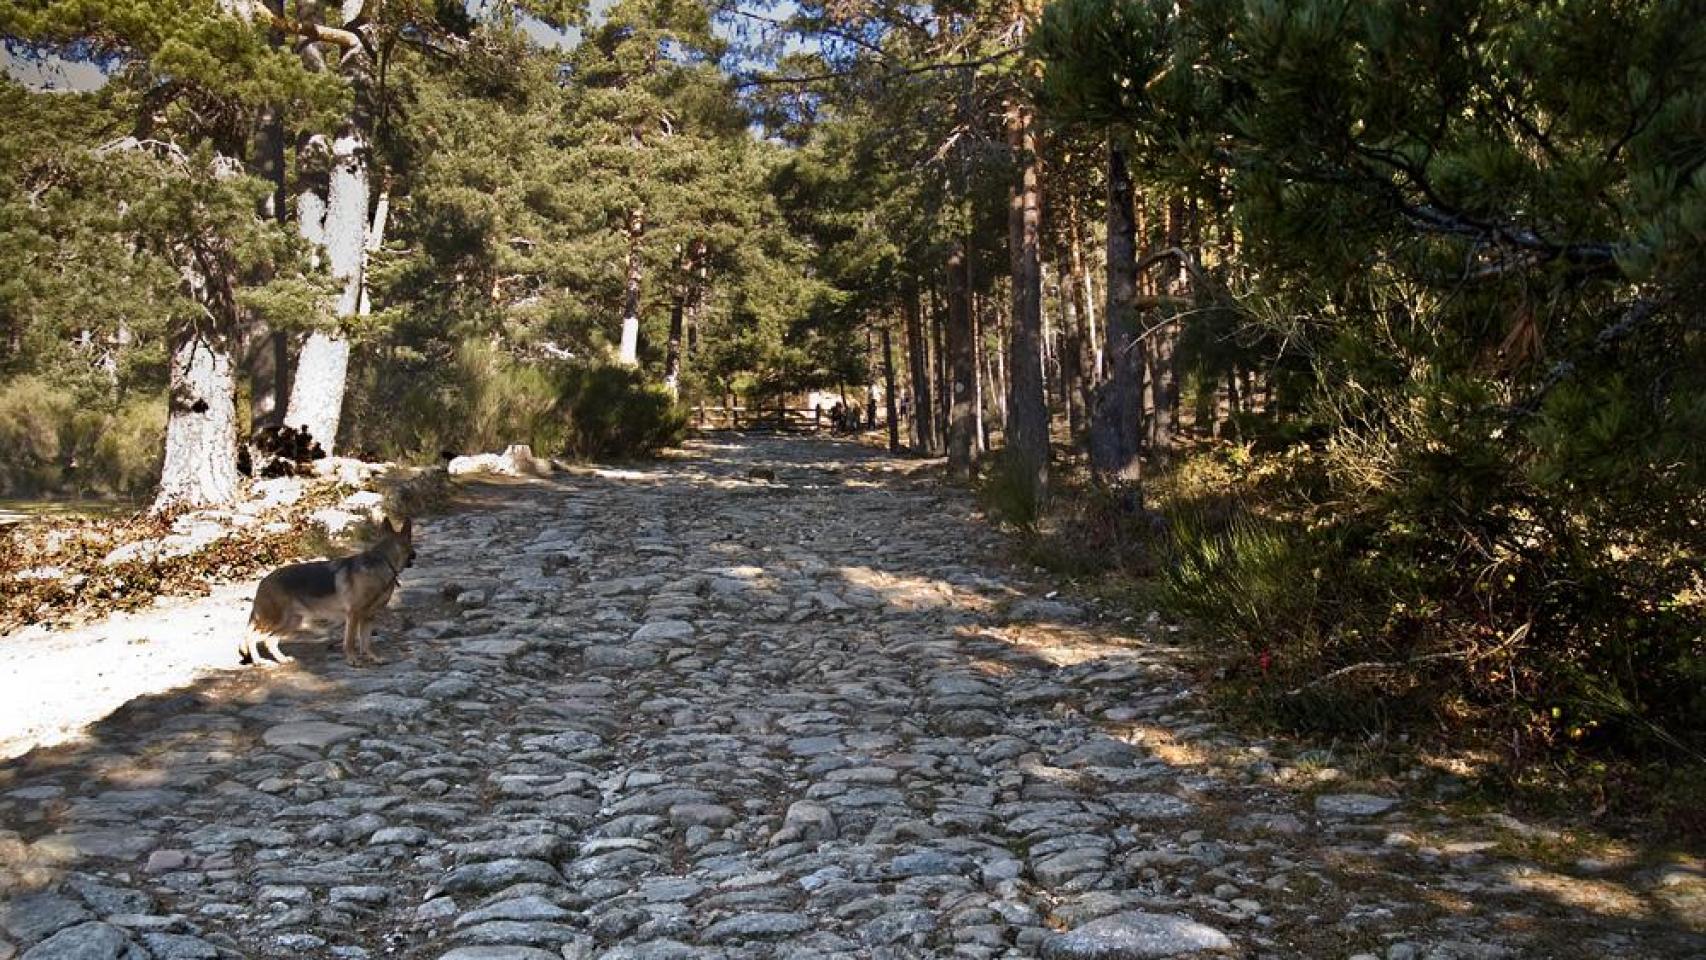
point(33, 421)
point(128, 452)
point(612, 412)
point(1369, 588)
point(54, 444)
point(479, 398)
point(1009, 498)
point(505, 401)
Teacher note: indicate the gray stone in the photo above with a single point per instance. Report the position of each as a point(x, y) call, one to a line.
point(630, 658)
point(499, 953)
point(1353, 805)
point(894, 927)
point(521, 908)
point(494, 647)
point(495, 875)
point(1148, 806)
point(701, 815)
point(1134, 936)
point(178, 946)
point(403, 836)
point(664, 949)
point(34, 916)
point(165, 861)
point(748, 926)
point(926, 863)
point(115, 843)
point(806, 822)
point(527, 932)
point(86, 941)
point(663, 631)
point(308, 733)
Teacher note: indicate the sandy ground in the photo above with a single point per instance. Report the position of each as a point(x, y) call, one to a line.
point(54, 683)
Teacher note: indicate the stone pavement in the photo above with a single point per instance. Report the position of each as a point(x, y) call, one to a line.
point(679, 712)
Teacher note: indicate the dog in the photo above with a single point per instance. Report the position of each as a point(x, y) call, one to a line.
point(355, 588)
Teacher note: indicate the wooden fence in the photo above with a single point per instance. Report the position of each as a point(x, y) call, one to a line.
point(763, 419)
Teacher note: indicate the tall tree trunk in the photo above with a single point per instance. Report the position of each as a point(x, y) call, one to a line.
point(1071, 349)
point(889, 392)
point(322, 368)
point(1164, 342)
point(265, 351)
point(918, 362)
point(939, 363)
point(1027, 447)
point(200, 468)
point(1083, 295)
point(1002, 346)
point(200, 464)
point(923, 411)
point(962, 369)
point(374, 241)
point(629, 351)
point(1115, 424)
point(982, 380)
point(687, 291)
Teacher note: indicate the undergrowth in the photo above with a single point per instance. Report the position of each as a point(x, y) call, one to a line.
point(1573, 674)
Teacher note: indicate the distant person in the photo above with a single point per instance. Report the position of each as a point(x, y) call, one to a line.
point(838, 417)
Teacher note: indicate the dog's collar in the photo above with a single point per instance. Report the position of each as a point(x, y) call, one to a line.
point(396, 572)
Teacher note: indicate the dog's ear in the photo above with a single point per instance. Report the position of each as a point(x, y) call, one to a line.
point(391, 529)
point(407, 530)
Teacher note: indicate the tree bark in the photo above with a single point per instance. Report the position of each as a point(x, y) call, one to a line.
point(266, 352)
point(322, 368)
point(962, 369)
point(939, 363)
point(1071, 349)
point(1083, 296)
point(687, 290)
point(889, 391)
point(923, 411)
point(200, 465)
point(1163, 345)
point(1027, 446)
point(980, 377)
point(1115, 425)
point(628, 352)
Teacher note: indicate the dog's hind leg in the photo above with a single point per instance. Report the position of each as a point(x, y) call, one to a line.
point(271, 642)
point(274, 634)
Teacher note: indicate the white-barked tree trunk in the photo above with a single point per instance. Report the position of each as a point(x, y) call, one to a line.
point(322, 368)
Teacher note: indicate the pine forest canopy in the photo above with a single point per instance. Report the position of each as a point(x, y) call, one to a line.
point(1430, 271)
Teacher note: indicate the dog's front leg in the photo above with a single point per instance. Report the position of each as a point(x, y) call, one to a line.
point(367, 643)
point(352, 640)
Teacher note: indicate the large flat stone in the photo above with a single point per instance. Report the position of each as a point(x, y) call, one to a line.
point(1353, 805)
point(34, 916)
point(308, 733)
point(1134, 936)
point(86, 941)
point(659, 631)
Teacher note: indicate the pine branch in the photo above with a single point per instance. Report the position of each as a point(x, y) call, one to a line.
point(940, 67)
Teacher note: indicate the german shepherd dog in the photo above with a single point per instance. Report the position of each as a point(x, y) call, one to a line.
point(354, 588)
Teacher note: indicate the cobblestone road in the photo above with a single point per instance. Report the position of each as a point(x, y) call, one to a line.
point(680, 712)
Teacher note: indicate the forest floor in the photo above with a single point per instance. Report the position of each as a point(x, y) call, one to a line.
point(676, 711)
